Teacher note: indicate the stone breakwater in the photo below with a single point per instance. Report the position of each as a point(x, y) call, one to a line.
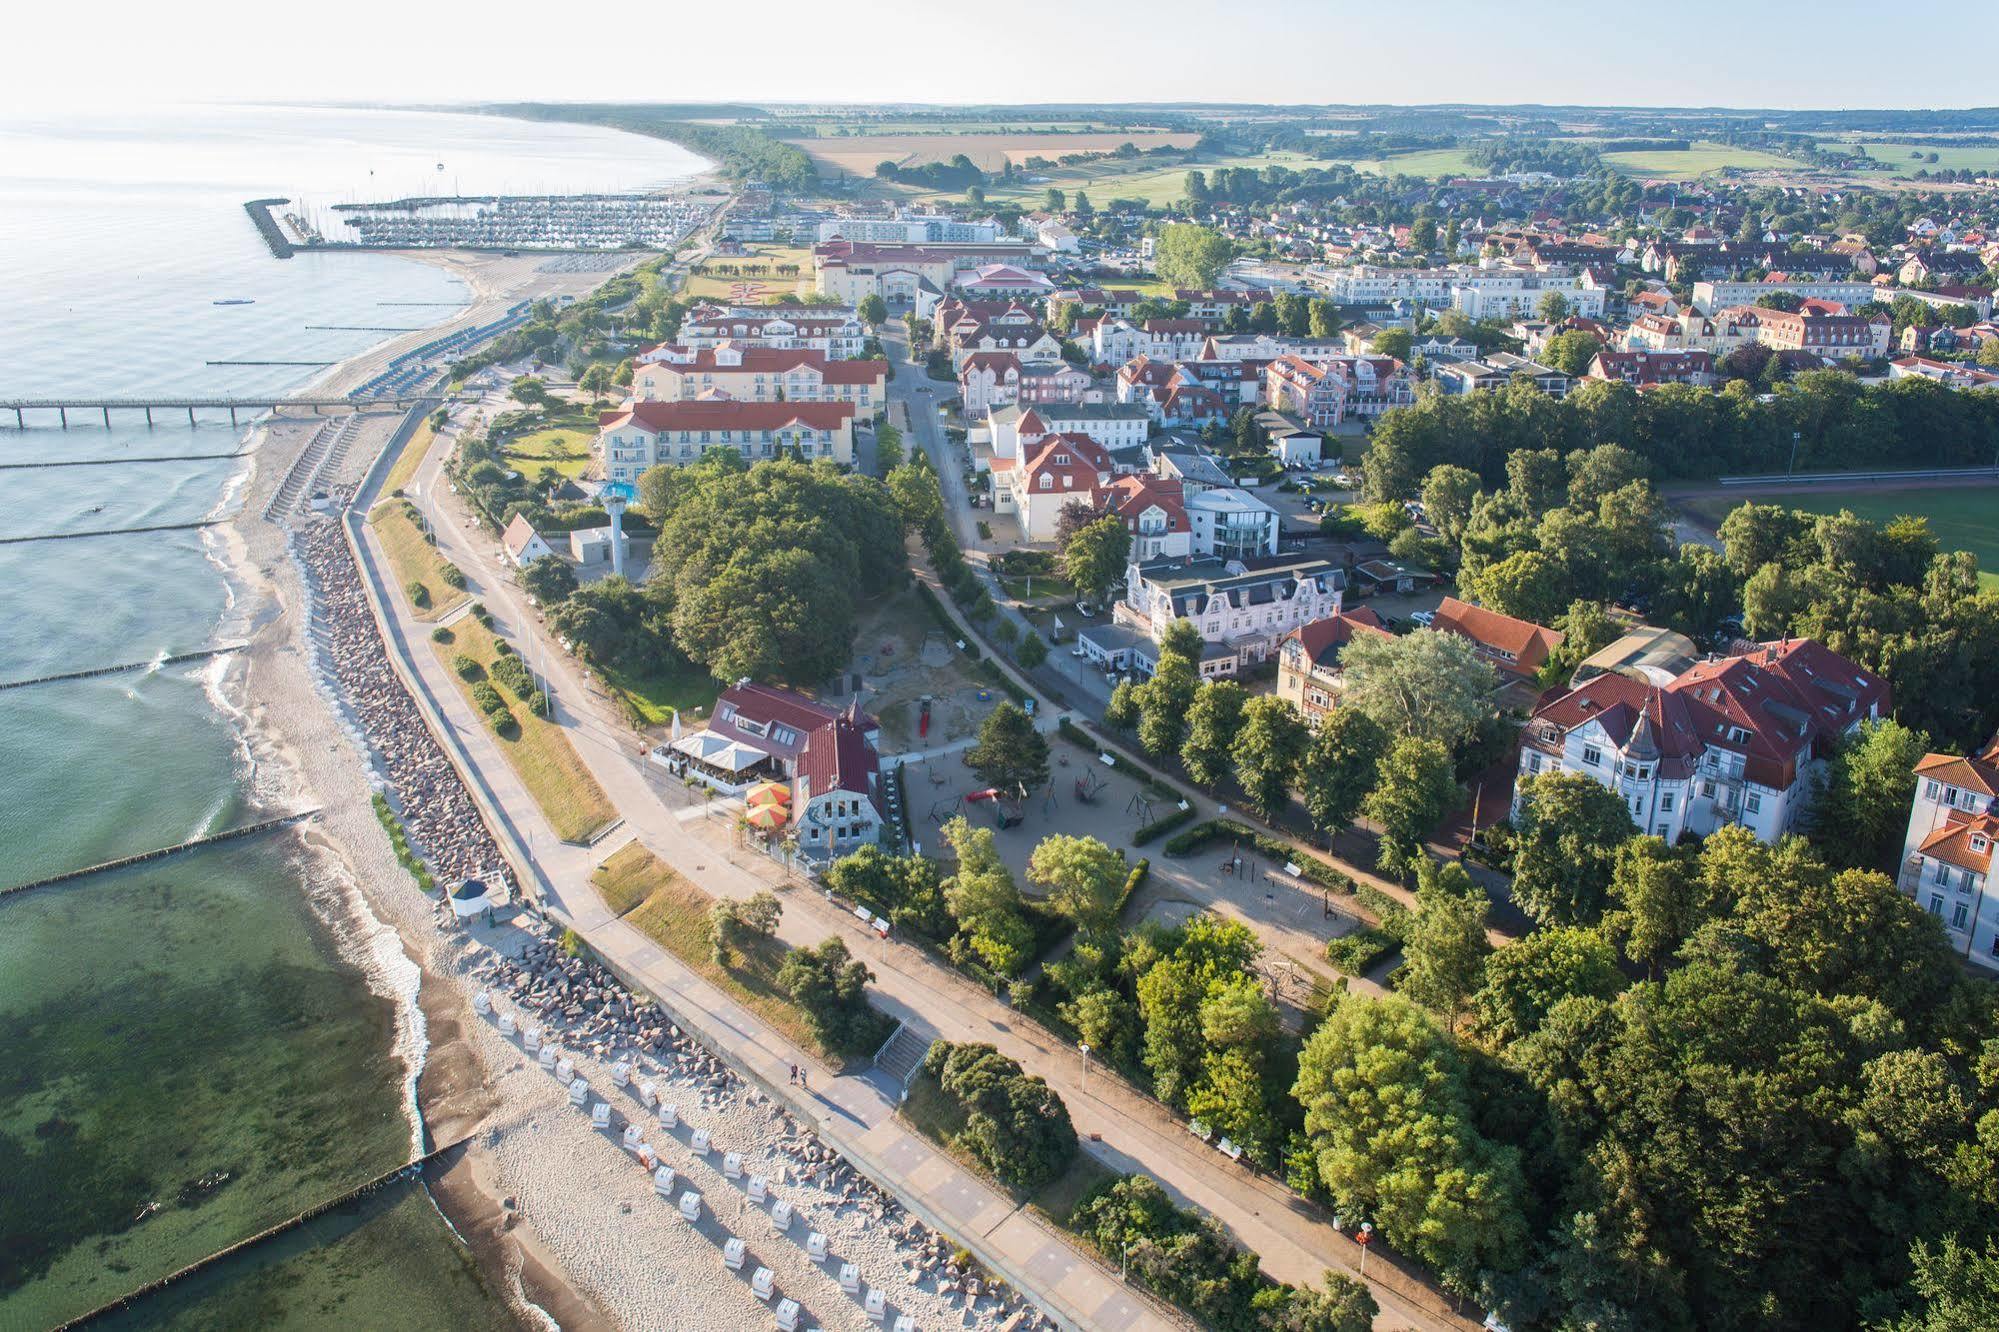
point(351, 668)
point(592, 1203)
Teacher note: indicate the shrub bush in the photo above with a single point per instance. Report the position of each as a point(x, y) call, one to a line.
point(1393, 915)
point(1357, 953)
point(487, 698)
point(503, 724)
point(512, 672)
point(453, 576)
point(441, 635)
point(467, 668)
point(1015, 1125)
point(539, 703)
point(419, 595)
point(502, 648)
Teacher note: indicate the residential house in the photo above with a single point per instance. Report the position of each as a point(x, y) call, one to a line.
point(1519, 648)
point(1734, 739)
point(1051, 473)
point(1932, 266)
point(852, 270)
point(522, 543)
point(1947, 852)
point(1308, 663)
point(1113, 425)
point(1153, 509)
point(1230, 523)
point(1951, 374)
point(836, 791)
point(1325, 392)
point(647, 434)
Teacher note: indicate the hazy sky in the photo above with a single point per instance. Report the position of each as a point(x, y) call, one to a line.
point(1831, 53)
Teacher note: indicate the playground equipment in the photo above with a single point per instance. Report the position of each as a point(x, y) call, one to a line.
point(1089, 786)
point(1141, 805)
point(923, 717)
point(1006, 808)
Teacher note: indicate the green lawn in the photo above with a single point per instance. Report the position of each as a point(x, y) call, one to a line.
point(538, 749)
point(1699, 160)
point(406, 463)
point(1437, 162)
point(690, 688)
point(719, 273)
point(1896, 155)
point(565, 447)
point(1963, 517)
point(674, 915)
point(629, 877)
point(414, 560)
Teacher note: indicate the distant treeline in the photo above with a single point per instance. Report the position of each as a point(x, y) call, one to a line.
point(1838, 425)
point(741, 152)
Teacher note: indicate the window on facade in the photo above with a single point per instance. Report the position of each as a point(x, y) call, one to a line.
point(1959, 914)
point(1754, 804)
point(1930, 789)
point(1942, 874)
point(1666, 804)
point(1936, 904)
point(1592, 756)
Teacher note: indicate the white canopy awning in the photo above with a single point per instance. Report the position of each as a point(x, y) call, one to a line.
point(719, 752)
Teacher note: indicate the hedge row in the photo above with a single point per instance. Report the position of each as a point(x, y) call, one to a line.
point(1356, 954)
point(1310, 867)
point(1160, 827)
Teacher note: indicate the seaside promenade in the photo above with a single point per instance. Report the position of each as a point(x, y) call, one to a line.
point(1123, 1129)
point(854, 1113)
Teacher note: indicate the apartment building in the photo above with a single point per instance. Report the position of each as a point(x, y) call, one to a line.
point(648, 434)
point(1243, 609)
point(1323, 393)
point(763, 374)
point(1308, 663)
point(1832, 336)
point(834, 330)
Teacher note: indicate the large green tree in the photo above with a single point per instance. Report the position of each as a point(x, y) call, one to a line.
point(1191, 256)
point(1862, 810)
point(1426, 685)
point(985, 902)
point(1340, 767)
point(1010, 754)
point(1445, 950)
point(1268, 750)
point(1566, 837)
point(1084, 879)
point(1096, 556)
point(1389, 1117)
point(1413, 789)
point(1214, 722)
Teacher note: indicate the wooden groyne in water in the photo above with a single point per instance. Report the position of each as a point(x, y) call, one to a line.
point(161, 853)
point(174, 660)
point(112, 531)
point(267, 226)
point(411, 1171)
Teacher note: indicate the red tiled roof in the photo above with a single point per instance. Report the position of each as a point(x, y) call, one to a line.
point(1972, 774)
point(1963, 839)
point(837, 757)
point(1527, 643)
point(1135, 492)
point(1322, 639)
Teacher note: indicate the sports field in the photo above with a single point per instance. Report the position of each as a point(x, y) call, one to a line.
point(1699, 160)
point(1963, 517)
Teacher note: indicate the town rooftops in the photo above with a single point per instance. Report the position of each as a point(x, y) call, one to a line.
point(728, 414)
point(726, 357)
point(1192, 584)
point(838, 756)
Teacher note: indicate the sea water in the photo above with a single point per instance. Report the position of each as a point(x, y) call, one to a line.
point(186, 1053)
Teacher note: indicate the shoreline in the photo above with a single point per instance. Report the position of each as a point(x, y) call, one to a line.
point(264, 694)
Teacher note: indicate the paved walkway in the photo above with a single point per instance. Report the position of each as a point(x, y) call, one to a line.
point(1121, 1127)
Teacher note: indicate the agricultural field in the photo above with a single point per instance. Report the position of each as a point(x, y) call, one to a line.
point(1963, 517)
point(858, 155)
point(1898, 159)
point(1699, 160)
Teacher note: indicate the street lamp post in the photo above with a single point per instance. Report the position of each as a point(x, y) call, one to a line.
point(1084, 1046)
point(1793, 468)
point(1364, 1238)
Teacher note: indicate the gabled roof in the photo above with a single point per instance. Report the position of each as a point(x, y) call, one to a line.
point(519, 533)
point(1323, 639)
point(1964, 839)
point(838, 757)
point(1526, 644)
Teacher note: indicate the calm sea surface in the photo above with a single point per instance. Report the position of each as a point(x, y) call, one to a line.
point(185, 1057)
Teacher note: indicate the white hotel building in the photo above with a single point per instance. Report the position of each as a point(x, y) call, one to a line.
point(1947, 853)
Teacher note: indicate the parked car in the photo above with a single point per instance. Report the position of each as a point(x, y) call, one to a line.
point(1086, 610)
point(1423, 619)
